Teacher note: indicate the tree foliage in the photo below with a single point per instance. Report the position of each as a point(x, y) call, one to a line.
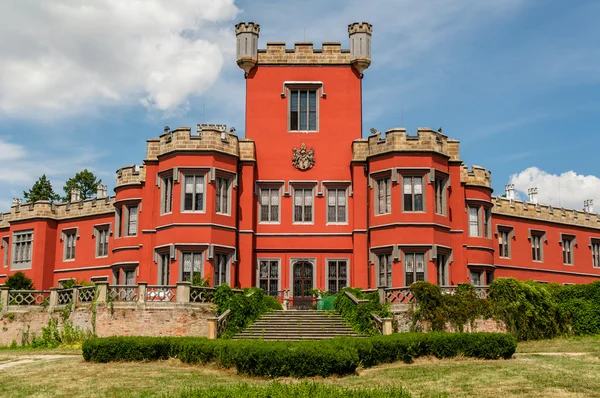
point(19, 281)
point(41, 190)
point(85, 181)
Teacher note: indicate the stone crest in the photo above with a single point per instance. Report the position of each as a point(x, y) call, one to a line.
point(303, 158)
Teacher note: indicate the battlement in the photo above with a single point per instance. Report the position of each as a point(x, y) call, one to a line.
point(397, 140)
point(247, 27)
point(131, 175)
point(360, 27)
point(303, 53)
point(44, 209)
point(547, 213)
point(477, 176)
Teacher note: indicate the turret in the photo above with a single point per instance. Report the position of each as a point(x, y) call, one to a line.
point(360, 45)
point(247, 45)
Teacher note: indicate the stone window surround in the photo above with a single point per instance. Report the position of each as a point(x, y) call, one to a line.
point(446, 251)
point(196, 174)
point(511, 237)
point(543, 239)
point(327, 260)
point(23, 265)
point(304, 185)
point(336, 186)
point(434, 175)
point(95, 233)
point(4, 244)
point(119, 274)
point(294, 85)
point(179, 259)
point(573, 239)
point(294, 260)
point(258, 278)
point(162, 183)
point(594, 241)
point(425, 250)
point(376, 180)
point(413, 174)
point(229, 178)
point(121, 219)
point(64, 233)
point(228, 262)
point(269, 185)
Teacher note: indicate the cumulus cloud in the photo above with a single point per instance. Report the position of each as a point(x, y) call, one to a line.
point(568, 189)
point(58, 56)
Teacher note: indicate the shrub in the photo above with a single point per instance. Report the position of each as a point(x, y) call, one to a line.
point(19, 281)
point(359, 316)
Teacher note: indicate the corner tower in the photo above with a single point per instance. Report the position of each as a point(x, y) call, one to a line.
point(360, 45)
point(246, 53)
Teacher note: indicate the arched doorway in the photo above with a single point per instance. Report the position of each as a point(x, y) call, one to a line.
point(302, 272)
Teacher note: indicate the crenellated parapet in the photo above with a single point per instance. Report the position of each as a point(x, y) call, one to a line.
point(303, 53)
point(43, 209)
point(397, 140)
point(523, 209)
point(477, 176)
point(131, 175)
point(247, 151)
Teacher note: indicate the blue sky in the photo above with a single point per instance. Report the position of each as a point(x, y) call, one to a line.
point(516, 81)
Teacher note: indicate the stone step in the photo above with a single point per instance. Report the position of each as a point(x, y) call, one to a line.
point(297, 330)
point(290, 337)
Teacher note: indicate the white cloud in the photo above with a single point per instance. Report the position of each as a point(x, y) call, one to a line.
point(568, 189)
point(59, 56)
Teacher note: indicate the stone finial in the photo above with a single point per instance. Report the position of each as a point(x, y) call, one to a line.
point(101, 191)
point(247, 45)
point(16, 202)
point(588, 205)
point(510, 191)
point(360, 45)
point(75, 195)
point(532, 192)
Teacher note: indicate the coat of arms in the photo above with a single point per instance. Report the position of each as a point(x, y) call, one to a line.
point(303, 158)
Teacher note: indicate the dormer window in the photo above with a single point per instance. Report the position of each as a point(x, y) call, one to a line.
point(303, 109)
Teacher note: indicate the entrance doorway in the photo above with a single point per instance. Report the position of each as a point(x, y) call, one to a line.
point(303, 282)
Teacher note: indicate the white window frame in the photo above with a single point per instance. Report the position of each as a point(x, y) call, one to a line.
point(269, 278)
point(69, 238)
point(337, 278)
point(386, 182)
point(193, 253)
point(504, 243)
point(217, 268)
point(304, 205)
point(300, 87)
point(405, 259)
point(166, 194)
point(98, 231)
point(273, 191)
point(22, 258)
point(223, 195)
point(196, 176)
point(336, 205)
point(413, 194)
point(127, 220)
point(470, 223)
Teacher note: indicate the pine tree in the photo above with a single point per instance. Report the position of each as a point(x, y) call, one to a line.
point(85, 181)
point(41, 190)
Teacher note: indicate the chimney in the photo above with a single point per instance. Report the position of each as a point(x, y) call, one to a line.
point(101, 191)
point(510, 191)
point(533, 195)
point(588, 205)
point(16, 202)
point(75, 195)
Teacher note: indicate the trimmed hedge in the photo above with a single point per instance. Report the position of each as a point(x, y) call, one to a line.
point(301, 359)
point(300, 390)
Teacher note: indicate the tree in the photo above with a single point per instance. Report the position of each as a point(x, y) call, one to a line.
point(85, 181)
point(19, 281)
point(41, 190)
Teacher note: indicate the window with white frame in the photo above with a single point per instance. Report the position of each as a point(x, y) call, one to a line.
point(414, 267)
point(303, 109)
point(5, 251)
point(337, 275)
point(474, 223)
point(567, 247)
point(269, 204)
point(192, 266)
point(504, 242)
point(336, 205)
point(442, 269)
point(193, 195)
point(383, 197)
point(536, 247)
point(69, 241)
point(413, 193)
point(22, 249)
point(595, 246)
point(440, 195)
point(166, 195)
point(268, 276)
point(222, 203)
point(487, 222)
point(164, 268)
point(131, 226)
point(384, 262)
point(101, 233)
point(303, 205)
point(221, 262)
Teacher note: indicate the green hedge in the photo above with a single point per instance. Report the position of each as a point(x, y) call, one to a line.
point(299, 390)
point(301, 359)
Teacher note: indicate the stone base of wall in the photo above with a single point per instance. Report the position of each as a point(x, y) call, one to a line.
point(167, 320)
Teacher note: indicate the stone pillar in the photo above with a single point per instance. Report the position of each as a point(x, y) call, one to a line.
point(101, 292)
point(212, 328)
point(53, 297)
point(382, 298)
point(387, 328)
point(142, 287)
point(75, 297)
point(183, 293)
point(286, 300)
point(4, 298)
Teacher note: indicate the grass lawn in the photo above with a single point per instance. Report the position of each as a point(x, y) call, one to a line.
point(558, 368)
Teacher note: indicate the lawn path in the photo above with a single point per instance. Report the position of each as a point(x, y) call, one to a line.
point(31, 358)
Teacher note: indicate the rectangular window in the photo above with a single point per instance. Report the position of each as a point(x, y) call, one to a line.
point(440, 196)
point(128, 276)
point(303, 205)
point(442, 271)
point(118, 220)
point(22, 249)
point(336, 205)
point(101, 234)
point(596, 254)
point(414, 267)
point(166, 195)
point(222, 201)
point(192, 266)
point(413, 193)
point(268, 276)
point(132, 220)
point(337, 275)
point(567, 246)
point(5, 250)
point(221, 263)
point(164, 268)
point(193, 195)
point(487, 222)
point(504, 243)
point(383, 198)
point(269, 205)
point(536, 247)
point(489, 277)
point(385, 270)
point(70, 239)
point(474, 225)
point(476, 278)
point(303, 110)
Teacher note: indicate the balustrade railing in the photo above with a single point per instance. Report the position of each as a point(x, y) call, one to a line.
point(29, 297)
point(202, 294)
point(222, 322)
point(123, 293)
point(161, 293)
point(403, 295)
point(64, 296)
point(86, 294)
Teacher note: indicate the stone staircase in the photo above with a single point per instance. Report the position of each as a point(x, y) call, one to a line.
point(298, 325)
